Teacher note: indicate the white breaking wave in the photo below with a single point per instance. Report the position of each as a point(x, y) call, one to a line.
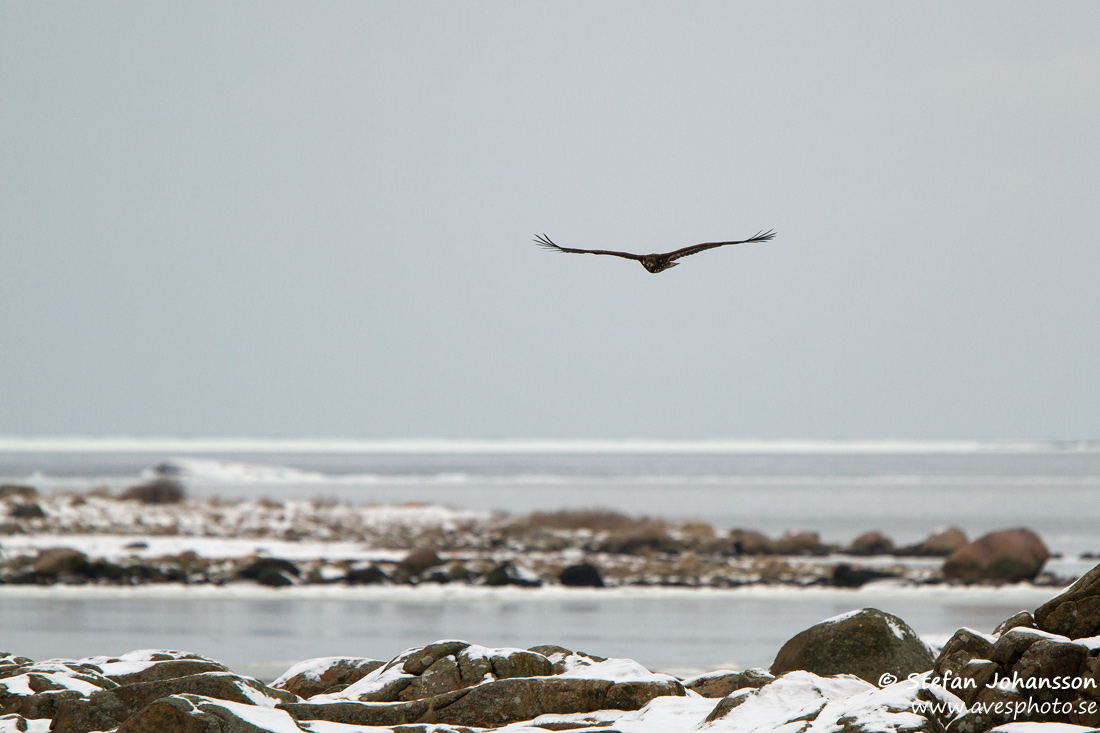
point(228, 472)
point(210, 471)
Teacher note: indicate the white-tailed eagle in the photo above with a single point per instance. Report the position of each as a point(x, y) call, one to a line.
point(655, 262)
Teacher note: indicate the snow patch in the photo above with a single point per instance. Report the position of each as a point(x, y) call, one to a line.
point(899, 632)
point(616, 670)
point(311, 669)
point(784, 706)
point(264, 718)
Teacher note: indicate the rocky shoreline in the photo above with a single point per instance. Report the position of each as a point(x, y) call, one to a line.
point(151, 533)
point(862, 672)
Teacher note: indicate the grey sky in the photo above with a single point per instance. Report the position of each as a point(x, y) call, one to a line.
point(315, 219)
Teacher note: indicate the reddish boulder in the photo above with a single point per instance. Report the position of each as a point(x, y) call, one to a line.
point(941, 544)
point(871, 543)
point(1007, 556)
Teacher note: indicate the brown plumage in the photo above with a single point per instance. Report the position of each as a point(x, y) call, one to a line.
point(656, 262)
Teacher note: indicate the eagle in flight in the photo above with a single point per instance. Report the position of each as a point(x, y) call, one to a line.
point(656, 262)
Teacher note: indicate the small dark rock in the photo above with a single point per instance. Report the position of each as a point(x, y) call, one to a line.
point(727, 704)
point(721, 684)
point(13, 722)
point(581, 575)
point(366, 576)
point(847, 576)
point(158, 491)
point(270, 571)
point(417, 561)
point(56, 561)
point(30, 510)
point(19, 491)
point(506, 574)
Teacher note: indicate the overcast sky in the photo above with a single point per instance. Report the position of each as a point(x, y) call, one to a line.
point(315, 219)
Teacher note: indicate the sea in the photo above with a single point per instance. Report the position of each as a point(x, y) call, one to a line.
point(839, 489)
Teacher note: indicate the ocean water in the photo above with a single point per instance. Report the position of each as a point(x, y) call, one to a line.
point(906, 490)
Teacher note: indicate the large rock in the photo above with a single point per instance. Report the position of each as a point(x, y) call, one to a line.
point(800, 543)
point(798, 701)
point(964, 664)
point(442, 667)
point(120, 703)
point(324, 675)
point(866, 643)
point(943, 543)
point(171, 715)
point(1007, 556)
point(870, 543)
point(1051, 659)
point(1020, 675)
point(150, 665)
point(10, 662)
point(198, 714)
point(463, 684)
point(938, 544)
point(38, 690)
point(495, 703)
point(1012, 644)
point(1076, 612)
point(419, 661)
point(749, 542)
point(508, 701)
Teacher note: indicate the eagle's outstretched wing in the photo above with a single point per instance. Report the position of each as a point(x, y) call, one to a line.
point(543, 241)
point(759, 237)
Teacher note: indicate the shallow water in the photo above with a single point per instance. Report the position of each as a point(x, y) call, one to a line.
point(262, 632)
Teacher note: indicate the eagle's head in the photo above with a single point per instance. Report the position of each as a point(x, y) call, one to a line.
point(656, 263)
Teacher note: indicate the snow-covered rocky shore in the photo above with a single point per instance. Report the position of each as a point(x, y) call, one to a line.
point(152, 533)
point(863, 671)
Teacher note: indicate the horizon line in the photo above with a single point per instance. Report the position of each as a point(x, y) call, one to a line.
point(214, 444)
